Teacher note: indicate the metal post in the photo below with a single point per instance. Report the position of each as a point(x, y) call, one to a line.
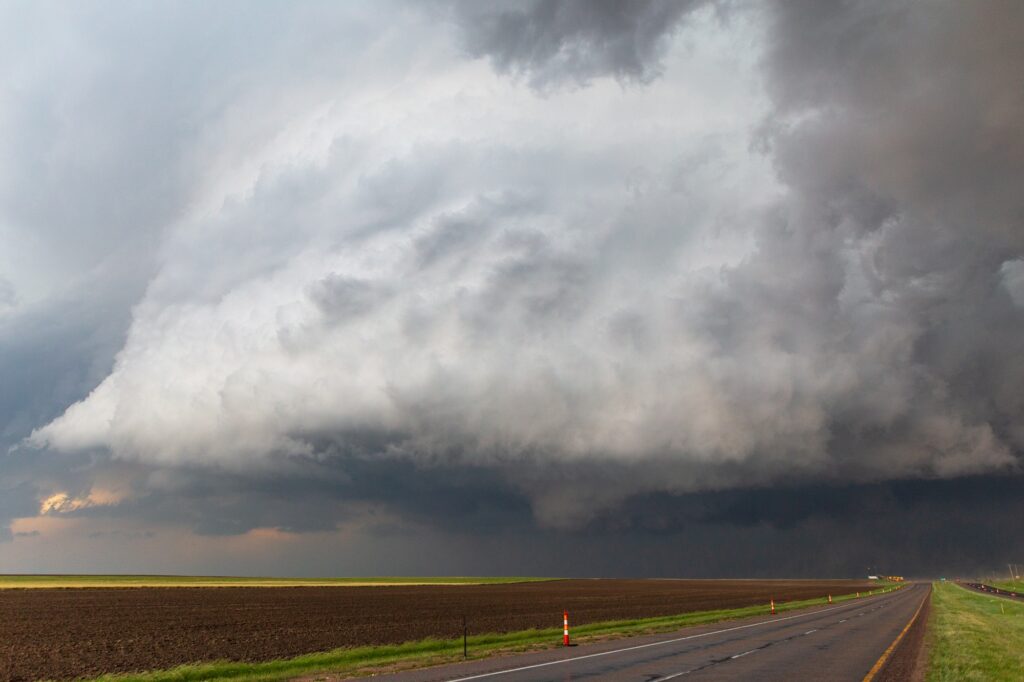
point(465, 650)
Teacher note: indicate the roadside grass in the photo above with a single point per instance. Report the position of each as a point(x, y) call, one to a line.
point(974, 636)
point(71, 581)
point(1015, 585)
point(369, 659)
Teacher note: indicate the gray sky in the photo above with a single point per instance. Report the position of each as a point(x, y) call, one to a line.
point(679, 288)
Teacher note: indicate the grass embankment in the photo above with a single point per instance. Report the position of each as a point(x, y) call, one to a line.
point(974, 637)
point(66, 581)
point(1015, 585)
point(434, 652)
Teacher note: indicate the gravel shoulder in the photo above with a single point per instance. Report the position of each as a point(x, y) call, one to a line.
point(908, 662)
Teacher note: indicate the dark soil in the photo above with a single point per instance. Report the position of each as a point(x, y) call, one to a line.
point(68, 633)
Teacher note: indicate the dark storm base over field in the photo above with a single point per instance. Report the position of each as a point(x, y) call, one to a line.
point(67, 633)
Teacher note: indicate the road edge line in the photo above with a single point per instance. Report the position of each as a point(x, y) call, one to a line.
point(877, 667)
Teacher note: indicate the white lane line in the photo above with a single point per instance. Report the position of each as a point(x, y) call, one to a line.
point(644, 646)
point(687, 672)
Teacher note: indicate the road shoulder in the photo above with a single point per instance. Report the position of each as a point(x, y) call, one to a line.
point(909, 660)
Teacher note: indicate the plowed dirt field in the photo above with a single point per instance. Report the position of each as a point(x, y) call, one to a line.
point(68, 633)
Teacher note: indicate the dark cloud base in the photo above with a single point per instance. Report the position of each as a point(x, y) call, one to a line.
point(917, 528)
point(462, 520)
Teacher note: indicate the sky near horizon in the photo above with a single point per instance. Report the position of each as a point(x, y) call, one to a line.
point(555, 288)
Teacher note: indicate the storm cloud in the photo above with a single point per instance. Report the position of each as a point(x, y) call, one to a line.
point(553, 42)
point(599, 270)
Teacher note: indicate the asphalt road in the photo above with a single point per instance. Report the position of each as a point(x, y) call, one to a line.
point(839, 642)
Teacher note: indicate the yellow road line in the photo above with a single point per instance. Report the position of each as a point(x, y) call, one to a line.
point(892, 647)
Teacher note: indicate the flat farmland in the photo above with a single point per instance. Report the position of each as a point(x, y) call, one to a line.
point(68, 633)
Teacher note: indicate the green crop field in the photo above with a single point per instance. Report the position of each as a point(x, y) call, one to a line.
point(974, 637)
point(71, 581)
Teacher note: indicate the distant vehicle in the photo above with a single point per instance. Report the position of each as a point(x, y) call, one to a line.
point(872, 577)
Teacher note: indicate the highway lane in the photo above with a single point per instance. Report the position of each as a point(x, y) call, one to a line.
point(840, 642)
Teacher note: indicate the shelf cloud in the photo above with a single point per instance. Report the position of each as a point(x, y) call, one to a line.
point(567, 256)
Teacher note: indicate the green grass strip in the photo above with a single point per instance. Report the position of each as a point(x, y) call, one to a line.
point(434, 651)
point(974, 636)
